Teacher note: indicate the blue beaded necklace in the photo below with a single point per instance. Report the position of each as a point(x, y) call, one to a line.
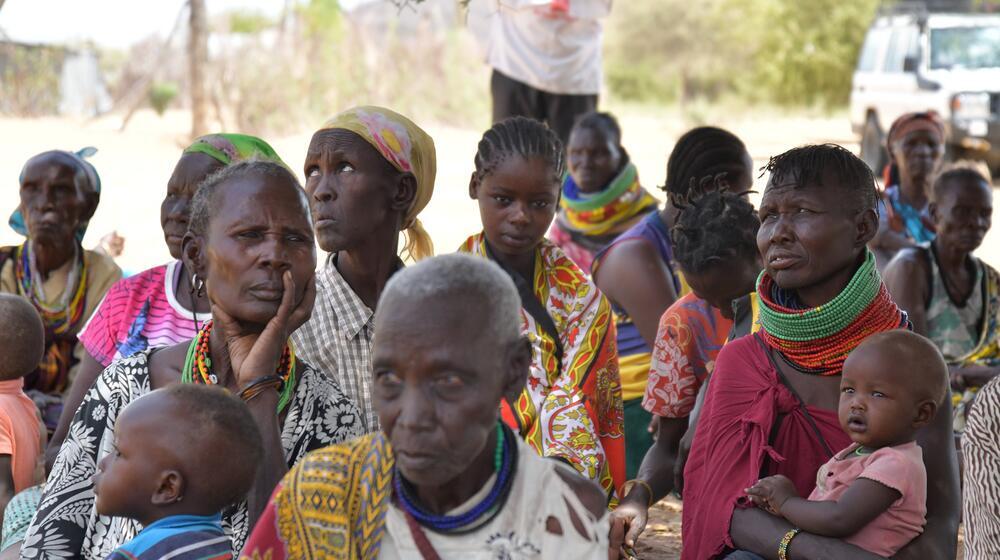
point(485, 510)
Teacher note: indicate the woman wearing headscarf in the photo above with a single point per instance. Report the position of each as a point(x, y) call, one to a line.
point(159, 306)
point(369, 173)
point(916, 147)
point(59, 193)
point(250, 242)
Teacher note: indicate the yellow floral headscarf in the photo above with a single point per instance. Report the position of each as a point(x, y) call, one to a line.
point(410, 150)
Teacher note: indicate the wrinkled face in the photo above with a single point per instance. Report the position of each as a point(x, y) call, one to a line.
point(878, 405)
point(593, 157)
point(720, 284)
point(963, 214)
point(350, 188)
point(128, 477)
point(437, 386)
point(809, 238)
point(259, 229)
point(517, 203)
point(52, 205)
point(918, 154)
point(190, 171)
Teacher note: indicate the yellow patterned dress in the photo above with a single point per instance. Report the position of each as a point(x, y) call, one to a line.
point(571, 407)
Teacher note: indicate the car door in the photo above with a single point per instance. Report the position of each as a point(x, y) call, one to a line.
point(864, 94)
point(897, 88)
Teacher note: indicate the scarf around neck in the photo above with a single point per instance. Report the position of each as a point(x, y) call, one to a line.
point(614, 206)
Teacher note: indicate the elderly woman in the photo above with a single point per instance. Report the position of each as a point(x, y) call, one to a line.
point(601, 193)
point(369, 173)
point(916, 146)
point(59, 194)
point(251, 245)
point(157, 307)
point(771, 407)
point(445, 478)
point(639, 274)
point(952, 297)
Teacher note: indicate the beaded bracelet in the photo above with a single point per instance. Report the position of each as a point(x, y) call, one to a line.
point(259, 385)
point(785, 541)
point(629, 484)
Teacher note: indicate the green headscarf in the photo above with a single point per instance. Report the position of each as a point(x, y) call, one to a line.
point(229, 148)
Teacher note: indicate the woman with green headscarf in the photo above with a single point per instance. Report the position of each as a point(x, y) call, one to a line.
point(163, 305)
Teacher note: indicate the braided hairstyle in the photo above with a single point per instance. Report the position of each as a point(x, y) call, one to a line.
point(695, 154)
point(519, 136)
point(604, 123)
point(810, 165)
point(716, 227)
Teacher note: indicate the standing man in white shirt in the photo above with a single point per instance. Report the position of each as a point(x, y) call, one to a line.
point(545, 55)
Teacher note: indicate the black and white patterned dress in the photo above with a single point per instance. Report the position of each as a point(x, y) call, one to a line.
point(981, 495)
point(67, 524)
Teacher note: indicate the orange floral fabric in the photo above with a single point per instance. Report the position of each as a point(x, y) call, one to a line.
point(573, 412)
point(689, 338)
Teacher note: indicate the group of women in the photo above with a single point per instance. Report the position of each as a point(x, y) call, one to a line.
point(688, 348)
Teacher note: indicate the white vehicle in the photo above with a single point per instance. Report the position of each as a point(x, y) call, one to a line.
point(918, 60)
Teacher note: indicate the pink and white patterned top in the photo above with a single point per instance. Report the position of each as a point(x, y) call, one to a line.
point(140, 312)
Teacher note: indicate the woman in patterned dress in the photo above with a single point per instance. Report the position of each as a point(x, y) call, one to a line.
point(250, 242)
point(155, 307)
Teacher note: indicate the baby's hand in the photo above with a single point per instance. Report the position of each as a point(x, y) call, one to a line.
point(771, 493)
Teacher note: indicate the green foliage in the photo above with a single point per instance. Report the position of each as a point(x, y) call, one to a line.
point(248, 23)
point(777, 51)
point(160, 96)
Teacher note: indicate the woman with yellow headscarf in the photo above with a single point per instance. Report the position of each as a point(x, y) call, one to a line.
point(369, 173)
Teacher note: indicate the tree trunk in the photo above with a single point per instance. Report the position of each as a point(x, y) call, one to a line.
point(197, 59)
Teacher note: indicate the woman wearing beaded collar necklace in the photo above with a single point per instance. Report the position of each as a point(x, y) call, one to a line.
point(444, 478)
point(59, 193)
point(250, 242)
point(771, 406)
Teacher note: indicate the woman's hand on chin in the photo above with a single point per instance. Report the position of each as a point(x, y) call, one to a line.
point(254, 353)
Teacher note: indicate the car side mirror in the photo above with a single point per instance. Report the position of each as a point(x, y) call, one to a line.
point(910, 64)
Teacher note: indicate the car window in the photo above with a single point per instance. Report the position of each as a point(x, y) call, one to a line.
point(901, 44)
point(965, 47)
point(873, 47)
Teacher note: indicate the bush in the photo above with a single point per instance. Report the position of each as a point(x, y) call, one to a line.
point(778, 51)
point(160, 96)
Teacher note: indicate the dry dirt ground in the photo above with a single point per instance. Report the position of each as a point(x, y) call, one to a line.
point(135, 165)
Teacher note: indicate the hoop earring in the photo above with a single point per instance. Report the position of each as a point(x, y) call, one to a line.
point(197, 285)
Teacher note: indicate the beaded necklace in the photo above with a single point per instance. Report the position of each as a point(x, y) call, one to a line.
point(58, 317)
point(504, 465)
point(198, 366)
point(817, 340)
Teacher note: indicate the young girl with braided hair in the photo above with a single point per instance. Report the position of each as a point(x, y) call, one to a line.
point(715, 247)
point(638, 272)
point(571, 406)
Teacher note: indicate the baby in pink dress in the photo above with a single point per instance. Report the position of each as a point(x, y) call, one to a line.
point(872, 494)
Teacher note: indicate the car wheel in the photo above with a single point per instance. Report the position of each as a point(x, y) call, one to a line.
point(872, 146)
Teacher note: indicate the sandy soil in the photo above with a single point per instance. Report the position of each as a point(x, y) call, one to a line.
point(135, 165)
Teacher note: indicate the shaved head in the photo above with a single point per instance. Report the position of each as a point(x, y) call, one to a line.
point(487, 290)
point(23, 336)
point(913, 359)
